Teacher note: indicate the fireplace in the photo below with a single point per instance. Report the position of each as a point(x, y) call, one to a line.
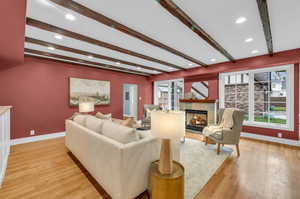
point(196, 120)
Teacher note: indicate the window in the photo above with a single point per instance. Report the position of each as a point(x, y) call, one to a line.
point(264, 94)
point(237, 92)
point(168, 93)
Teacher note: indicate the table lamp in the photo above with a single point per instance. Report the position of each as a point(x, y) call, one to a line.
point(167, 125)
point(86, 107)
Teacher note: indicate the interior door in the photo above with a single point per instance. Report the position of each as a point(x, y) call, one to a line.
point(130, 100)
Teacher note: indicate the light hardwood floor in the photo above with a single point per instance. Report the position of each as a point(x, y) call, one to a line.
point(45, 170)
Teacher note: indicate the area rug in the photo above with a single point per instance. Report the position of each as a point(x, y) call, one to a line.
point(200, 162)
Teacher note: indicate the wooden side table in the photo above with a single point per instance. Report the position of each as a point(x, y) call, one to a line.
point(167, 186)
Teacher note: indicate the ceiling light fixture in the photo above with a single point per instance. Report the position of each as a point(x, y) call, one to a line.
point(248, 40)
point(51, 48)
point(240, 20)
point(213, 59)
point(46, 3)
point(70, 17)
point(57, 36)
point(254, 51)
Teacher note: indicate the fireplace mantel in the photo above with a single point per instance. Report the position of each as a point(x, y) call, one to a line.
point(197, 101)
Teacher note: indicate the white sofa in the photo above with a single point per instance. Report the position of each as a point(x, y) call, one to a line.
point(121, 169)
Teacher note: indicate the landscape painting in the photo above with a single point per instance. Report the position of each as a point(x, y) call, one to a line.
point(89, 91)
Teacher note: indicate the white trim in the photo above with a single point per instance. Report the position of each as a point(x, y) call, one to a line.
point(3, 170)
point(271, 139)
point(290, 93)
point(37, 138)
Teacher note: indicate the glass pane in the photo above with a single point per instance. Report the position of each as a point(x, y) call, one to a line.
point(278, 118)
point(261, 86)
point(230, 93)
point(278, 107)
point(262, 77)
point(245, 78)
point(278, 75)
point(230, 104)
point(242, 88)
point(261, 117)
point(242, 105)
point(261, 96)
point(226, 79)
point(232, 79)
point(261, 107)
point(242, 97)
point(239, 78)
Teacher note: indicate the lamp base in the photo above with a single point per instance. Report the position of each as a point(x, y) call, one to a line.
point(165, 163)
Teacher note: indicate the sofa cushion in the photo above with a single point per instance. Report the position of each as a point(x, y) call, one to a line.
point(94, 124)
point(103, 116)
point(80, 119)
point(119, 132)
point(130, 122)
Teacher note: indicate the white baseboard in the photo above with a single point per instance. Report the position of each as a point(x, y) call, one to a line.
point(271, 139)
point(37, 138)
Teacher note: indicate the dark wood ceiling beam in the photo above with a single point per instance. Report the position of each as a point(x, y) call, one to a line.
point(83, 62)
point(177, 12)
point(204, 84)
point(265, 19)
point(72, 5)
point(67, 33)
point(77, 51)
point(197, 91)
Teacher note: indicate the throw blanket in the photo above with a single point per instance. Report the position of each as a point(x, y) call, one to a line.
point(226, 123)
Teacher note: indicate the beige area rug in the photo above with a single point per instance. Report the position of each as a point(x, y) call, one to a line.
point(200, 162)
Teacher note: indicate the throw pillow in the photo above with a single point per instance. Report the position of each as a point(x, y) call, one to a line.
point(103, 116)
point(94, 124)
point(80, 119)
point(119, 132)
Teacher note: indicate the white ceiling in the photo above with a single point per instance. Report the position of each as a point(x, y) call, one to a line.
point(216, 17)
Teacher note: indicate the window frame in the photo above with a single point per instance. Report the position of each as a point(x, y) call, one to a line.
point(289, 96)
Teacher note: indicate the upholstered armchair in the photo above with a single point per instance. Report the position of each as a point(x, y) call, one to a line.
point(146, 120)
point(229, 136)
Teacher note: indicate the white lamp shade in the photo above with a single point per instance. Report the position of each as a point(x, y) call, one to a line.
point(168, 124)
point(86, 107)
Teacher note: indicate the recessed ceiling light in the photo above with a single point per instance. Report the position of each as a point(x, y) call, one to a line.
point(248, 40)
point(57, 36)
point(240, 20)
point(70, 17)
point(213, 59)
point(118, 63)
point(51, 48)
point(254, 51)
point(46, 3)
point(90, 57)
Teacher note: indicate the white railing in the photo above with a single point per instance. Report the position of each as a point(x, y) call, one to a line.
point(4, 139)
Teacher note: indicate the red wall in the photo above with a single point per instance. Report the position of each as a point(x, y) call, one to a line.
point(12, 20)
point(38, 91)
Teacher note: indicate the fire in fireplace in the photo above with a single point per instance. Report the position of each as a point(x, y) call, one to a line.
point(196, 120)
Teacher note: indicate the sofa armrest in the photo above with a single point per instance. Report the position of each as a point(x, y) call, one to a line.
point(136, 160)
